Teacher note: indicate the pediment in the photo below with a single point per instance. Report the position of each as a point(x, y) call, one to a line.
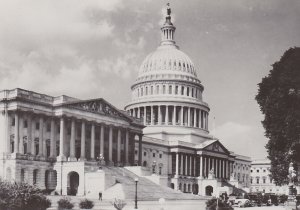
point(216, 147)
point(98, 106)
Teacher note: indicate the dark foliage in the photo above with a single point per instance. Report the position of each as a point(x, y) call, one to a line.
point(21, 196)
point(279, 100)
point(222, 204)
point(86, 204)
point(65, 203)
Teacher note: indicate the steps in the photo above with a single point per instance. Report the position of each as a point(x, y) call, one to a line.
point(147, 190)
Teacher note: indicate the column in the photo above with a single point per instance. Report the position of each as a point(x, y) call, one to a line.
point(204, 167)
point(145, 115)
point(93, 141)
point(134, 112)
point(82, 152)
point(110, 143)
point(119, 146)
point(220, 168)
point(177, 165)
point(16, 140)
point(174, 115)
point(126, 147)
point(29, 134)
point(33, 152)
point(140, 150)
point(151, 117)
point(167, 116)
point(199, 118)
point(209, 165)
point(223, 171)
point(194, 162)
point(61, 156)
point(201, 166)
point(102, 140)
point(72, 141)
point(139, 112)
point(41, 136)
point(186, 165)
point(191, 165)
point(181, 117)
point(181, 163)
point(195, 117)
point(52, 138)
point(21, 144)
point(159, 115)
point(189, 116)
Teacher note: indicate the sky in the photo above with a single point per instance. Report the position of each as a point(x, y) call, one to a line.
point(93, 49)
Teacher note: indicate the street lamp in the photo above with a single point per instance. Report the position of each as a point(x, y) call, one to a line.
point(136, 181)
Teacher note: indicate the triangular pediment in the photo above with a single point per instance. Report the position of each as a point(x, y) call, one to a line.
point(216, 146)
point(98, 106)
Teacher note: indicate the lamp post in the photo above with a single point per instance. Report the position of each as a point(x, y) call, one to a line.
point(136, 181)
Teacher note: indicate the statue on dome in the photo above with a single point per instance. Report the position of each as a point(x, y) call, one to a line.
point(168, 9)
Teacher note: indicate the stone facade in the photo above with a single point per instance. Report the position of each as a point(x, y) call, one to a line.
point(261, 180)
point(52, 142)
point(167, 97)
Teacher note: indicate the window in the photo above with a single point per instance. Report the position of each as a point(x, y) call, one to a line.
point(257, 180)
point(192, 92)
point(196, 93)
point(176, 90)
point(182, 90)
point(141, 91)
point(13, 122)
point(48, 127)
point(264, 170)
point(157, 89)
point(264, 180)
point(151, 90)
point(25, 124)
point(138, 92)
point(170, 89)
point(251, 180)
point(37, 126)
point(146, 91)
point(136, 152)
point(187, 91)
point(164, 89)
point(257, 171)
point(153, 154)
point(251, 170)
point(160, 155)
point(145, 153)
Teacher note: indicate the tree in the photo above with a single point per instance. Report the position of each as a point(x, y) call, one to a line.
point(279, 100)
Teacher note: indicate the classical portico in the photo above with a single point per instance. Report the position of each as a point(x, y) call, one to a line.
point(45, 134)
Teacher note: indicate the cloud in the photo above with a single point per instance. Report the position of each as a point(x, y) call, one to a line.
point(241, 139)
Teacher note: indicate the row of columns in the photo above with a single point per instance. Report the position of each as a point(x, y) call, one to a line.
point(171, 115)
point(194, 165)
point(169, 89)
point(19, 148)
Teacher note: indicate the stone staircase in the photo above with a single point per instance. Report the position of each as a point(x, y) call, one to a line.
point(147, 190)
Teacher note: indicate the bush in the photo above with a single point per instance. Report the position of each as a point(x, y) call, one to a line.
point(86, 204)
point(65, 203)
point(119, 204)
point(283, 198)
point(20, 196)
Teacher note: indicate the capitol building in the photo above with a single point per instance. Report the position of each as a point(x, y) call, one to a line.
point(162, 135)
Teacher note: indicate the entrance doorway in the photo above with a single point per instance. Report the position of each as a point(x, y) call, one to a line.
point(209, 190)
point(73, 183)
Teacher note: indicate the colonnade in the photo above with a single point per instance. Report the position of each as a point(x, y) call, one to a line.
point(171, 115)
point(59, 137)
point(200, 166)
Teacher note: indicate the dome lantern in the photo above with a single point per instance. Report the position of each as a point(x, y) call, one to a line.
point(168, 30)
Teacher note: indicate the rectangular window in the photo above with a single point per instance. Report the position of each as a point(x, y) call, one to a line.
point(136, 152)
point(48, 127)
point(153, 154)
point(25, 124)
point(182, 90)
point(37, 126)
point(188, 91)
point(145, 153)
point(13, 122)
point(257, 180)
point(160, 155)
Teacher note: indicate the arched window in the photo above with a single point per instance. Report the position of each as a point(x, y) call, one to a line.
point(146, 91)
point(182, 90)
point(176, 90)
point(164, 89)
point(192, 92)
point(170, 89)
point(187, 91)
point(151, 90)
point(157, 89)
